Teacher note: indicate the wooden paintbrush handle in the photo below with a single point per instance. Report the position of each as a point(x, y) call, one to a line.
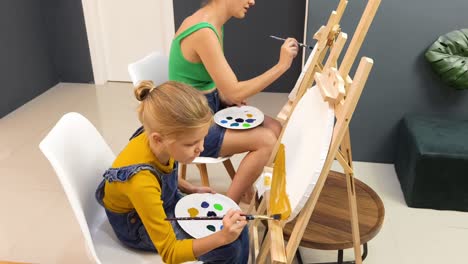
point(194, 218)
point(247, 217)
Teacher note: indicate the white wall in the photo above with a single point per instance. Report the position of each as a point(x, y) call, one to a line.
point(121, 32)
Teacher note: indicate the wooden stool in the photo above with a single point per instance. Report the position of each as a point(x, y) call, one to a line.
point(201, 162)
point(329, 227)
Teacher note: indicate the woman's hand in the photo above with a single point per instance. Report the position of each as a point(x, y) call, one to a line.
point(225, 102)
point(288, 52)
point(202, 189)
point(233, 224)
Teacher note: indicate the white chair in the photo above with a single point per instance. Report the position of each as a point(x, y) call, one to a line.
point(79, 156)
point(154, 67)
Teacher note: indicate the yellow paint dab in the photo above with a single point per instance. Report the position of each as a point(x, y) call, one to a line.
point(267, 180)
point(279, 201)
point(193, 212)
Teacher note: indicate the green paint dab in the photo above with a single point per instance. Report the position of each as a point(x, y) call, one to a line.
point(218, 207)
point(211, 228)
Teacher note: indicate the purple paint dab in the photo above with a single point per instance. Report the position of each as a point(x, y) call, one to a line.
point(211, 213)
point(250, 120)
point(205, 205)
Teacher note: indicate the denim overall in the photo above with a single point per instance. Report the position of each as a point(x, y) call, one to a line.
point(131, 232)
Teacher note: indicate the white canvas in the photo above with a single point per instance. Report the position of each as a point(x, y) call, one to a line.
point(307, 140)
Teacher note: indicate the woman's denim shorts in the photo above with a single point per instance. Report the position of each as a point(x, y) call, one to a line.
point(215, 137)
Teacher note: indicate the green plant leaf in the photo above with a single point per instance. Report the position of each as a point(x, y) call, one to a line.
point(448, 57)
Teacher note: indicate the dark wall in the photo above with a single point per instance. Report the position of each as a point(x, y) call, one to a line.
point(26, 63)
point(247, 45)
point(69, 41)
point(41, 44)
point(401, 81)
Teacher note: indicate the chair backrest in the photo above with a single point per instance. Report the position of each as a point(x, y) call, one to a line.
point(154, 67)
point(79, 156)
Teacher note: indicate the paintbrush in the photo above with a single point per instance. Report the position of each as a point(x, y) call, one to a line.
point(248, 217)
point(300, 44)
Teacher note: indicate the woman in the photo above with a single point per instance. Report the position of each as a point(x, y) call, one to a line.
point(197, 59)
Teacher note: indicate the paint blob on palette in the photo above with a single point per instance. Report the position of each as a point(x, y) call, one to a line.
point(203, 204)
point(193, 212)
point(243, 117)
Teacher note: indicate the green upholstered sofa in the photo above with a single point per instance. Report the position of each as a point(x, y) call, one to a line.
point(432, 162)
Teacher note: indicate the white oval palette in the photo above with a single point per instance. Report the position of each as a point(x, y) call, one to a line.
point(202, 205)
point(239, 117)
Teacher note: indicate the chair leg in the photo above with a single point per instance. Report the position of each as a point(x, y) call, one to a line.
point(203, 174)
point(299, 257)
point(340, 257)
point(229, 168)
point(183, 171)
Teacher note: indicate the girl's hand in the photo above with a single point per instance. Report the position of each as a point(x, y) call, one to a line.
point(233, 224)
point(289, 50)
point(202, 189)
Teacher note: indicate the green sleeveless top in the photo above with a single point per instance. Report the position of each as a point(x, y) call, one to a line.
point(194, 74)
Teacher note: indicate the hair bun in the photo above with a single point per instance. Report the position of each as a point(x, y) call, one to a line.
point(143, 89)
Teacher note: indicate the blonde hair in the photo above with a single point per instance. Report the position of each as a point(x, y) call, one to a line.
point(171, 108)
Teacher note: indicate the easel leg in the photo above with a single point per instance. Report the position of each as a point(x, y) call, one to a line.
point(346, 149)
point(354, 218)
point(263, 251)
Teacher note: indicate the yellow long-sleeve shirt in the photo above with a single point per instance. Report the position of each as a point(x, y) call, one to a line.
point(142, 192)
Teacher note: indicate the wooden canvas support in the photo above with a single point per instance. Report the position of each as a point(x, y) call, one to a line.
point(342, 93)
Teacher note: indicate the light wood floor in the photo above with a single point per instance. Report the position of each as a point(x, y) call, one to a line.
point(37, 225)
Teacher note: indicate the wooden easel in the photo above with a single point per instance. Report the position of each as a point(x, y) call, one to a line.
point(342, 93)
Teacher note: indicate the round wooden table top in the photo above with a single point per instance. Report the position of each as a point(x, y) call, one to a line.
point(329, 227)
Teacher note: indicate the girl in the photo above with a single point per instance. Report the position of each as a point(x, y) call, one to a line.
point(197, 58)
point(141, 187)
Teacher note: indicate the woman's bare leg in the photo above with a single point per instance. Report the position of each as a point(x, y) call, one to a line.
point(273, 124)
point(259, 143)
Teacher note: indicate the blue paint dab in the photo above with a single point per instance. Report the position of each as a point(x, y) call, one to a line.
point(250, 120)
point(224, 121)
point(205, 205)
